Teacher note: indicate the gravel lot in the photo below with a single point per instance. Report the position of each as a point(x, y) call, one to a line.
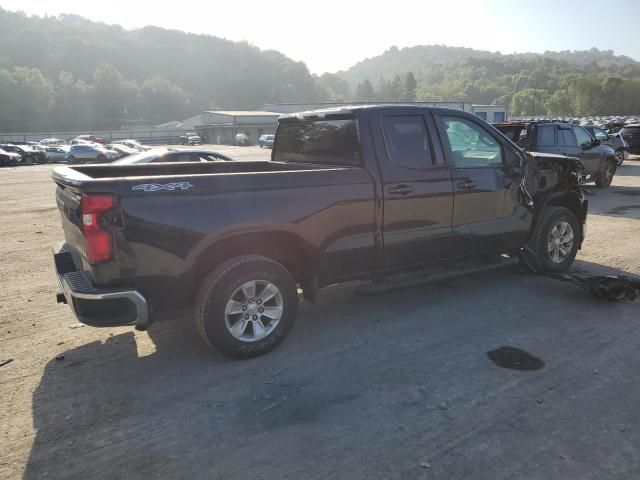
point(392, 386)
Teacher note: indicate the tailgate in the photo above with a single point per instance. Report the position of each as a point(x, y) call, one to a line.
point(68, 201)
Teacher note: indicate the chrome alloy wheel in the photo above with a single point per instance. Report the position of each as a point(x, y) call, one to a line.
point(254, 310)
point(560, 242)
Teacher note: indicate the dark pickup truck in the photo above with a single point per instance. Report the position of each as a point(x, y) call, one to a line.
point(599, 161)
point(369, 193)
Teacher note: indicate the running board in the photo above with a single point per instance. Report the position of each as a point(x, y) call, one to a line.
point(415, 279)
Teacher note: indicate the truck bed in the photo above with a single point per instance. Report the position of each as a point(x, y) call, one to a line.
point(86, 172)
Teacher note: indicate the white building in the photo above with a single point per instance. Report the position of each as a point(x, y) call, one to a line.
point(221, 126)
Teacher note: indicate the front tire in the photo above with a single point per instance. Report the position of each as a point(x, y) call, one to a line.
point(246, 306)
point(620, 156)
point(605, 177)
point(555, 239)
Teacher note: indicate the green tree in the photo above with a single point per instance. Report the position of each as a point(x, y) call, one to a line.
point(162, 100)
point(364, 91)
point(410, 87)
point(27, 96)
point(529, 101)
point(111, 96)
point(335, 88)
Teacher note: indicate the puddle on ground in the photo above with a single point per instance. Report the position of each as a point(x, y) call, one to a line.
point(622, 209)
point(515, 359)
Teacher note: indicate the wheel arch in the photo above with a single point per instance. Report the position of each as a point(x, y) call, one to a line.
point(286, 248)
point(571, 200)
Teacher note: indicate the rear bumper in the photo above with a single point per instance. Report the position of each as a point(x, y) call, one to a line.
point(97, 307)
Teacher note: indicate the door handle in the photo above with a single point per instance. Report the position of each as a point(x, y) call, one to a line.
point(400, 190)
point(467, 185)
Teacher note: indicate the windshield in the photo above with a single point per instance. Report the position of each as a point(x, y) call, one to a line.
point(333, 142)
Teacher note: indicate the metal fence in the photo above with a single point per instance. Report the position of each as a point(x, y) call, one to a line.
point(151, 137)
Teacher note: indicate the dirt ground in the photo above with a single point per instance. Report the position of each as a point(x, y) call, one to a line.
point(393, 386)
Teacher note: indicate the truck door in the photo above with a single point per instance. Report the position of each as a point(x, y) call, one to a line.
point(417, 191)
point(488, 214)
point(589, 156)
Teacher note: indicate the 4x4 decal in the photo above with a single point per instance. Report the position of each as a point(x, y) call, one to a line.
point(154, 187)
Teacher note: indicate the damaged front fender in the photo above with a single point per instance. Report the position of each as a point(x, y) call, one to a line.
point(554, 180)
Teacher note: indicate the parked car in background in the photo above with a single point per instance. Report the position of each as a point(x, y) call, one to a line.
point(566, 139)
point(89, 138)
point(631, 135)
point(9, 158)
point(90, 153)
point(57, 153)
point(157, 155)
point(52, 141)
point(614, 140)
point(135, 144)
point(29, 154)
point(266, 140)
point(242, 140)
point(190, 139)
point(123, 150)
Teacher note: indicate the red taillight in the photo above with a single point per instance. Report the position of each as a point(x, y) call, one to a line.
point(98, 242)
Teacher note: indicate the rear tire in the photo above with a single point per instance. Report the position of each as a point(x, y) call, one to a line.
point(620, 156)
point(235, 325)
point(605, 177)
point(555, 240)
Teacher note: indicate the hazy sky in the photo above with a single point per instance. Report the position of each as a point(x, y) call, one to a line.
point(330, 35)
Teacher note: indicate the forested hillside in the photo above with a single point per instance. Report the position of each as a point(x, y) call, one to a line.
point(69, 73)
point(555, 83)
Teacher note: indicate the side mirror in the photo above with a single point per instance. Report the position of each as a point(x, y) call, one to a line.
point(595, 142)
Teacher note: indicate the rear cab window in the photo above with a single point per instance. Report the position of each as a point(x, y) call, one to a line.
point(331, 141)
point(407, 141)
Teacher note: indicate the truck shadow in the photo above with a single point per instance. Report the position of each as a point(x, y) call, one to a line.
point(162, 405)
point(85, 401)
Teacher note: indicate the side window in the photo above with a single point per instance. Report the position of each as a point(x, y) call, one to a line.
point(601, 134)
point(174, 157)
point(470, 144)
point(407, 141)
point(546, 135)
point(582, 136)
point(178, 157)
point(566, 138)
